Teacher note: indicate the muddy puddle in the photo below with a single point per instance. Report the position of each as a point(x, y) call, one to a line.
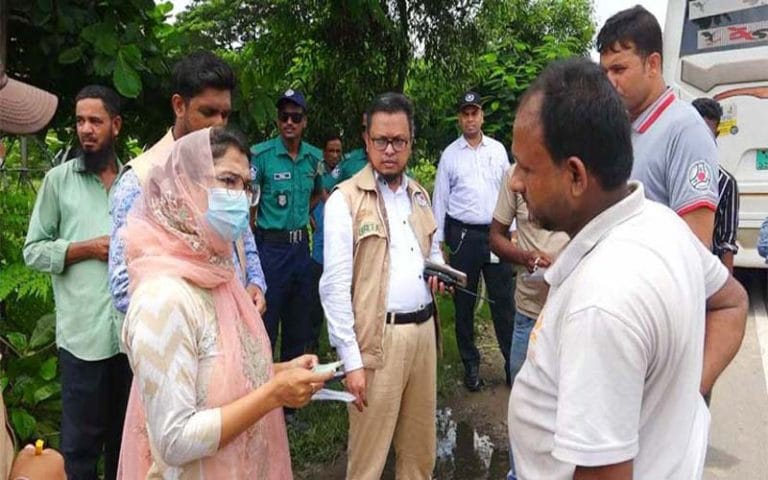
point(463, 452)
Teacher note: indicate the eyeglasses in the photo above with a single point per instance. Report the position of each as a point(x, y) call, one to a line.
point(381, 143)
point(296, 117)
point(236, 183)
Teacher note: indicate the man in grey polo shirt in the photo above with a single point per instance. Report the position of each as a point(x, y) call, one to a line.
point(675, 158)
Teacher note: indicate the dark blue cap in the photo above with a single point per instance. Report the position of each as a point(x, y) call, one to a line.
point(470, 98)
point(293, 96)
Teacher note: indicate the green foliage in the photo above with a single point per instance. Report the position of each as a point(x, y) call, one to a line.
point(340, 54)
point(16, 204)
point(520, 38)
point(324, 438)
point(30, 387)
point(423, 171)
point(27, 326)
point(506, 72)
point(63, 46)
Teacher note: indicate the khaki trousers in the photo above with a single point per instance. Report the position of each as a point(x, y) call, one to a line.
point(402, 397)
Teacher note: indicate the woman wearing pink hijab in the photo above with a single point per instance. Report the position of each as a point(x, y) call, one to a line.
point(206, 395)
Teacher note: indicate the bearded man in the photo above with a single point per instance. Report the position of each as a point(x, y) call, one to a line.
point(68, 238)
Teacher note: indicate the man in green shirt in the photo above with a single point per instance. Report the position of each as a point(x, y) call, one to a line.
point(286, 171)
point(355, 160)
point(67, 238)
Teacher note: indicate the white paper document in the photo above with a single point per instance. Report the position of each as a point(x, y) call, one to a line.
point(333, 395)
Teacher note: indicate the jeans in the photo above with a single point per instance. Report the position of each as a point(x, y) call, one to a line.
point(511, 475)
point(94, 396)
point(519, 349)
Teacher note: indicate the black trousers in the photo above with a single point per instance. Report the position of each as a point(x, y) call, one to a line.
point(470, 253)
point(94, 396)
point(288, 273)
point(316, 307)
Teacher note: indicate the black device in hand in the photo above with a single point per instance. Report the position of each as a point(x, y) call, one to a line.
point(451, 277)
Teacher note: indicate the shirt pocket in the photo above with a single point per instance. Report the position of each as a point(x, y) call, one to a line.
point(305, 176)
point(492, 169)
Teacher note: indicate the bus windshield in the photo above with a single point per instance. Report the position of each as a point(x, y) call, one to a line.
point(713, 26)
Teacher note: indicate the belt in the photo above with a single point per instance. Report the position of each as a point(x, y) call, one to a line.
point(469, 226)
point(283, 236)
point(419, 316)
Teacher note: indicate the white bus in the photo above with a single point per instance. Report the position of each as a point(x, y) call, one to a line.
point(719, 49)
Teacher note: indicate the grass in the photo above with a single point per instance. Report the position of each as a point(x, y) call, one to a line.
point(324, 439)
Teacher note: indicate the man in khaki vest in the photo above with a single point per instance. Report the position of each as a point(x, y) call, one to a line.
point(379, 230)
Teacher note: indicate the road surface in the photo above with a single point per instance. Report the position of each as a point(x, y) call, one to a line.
point(738, 440)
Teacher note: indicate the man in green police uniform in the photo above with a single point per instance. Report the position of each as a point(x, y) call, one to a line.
point(355, 160)
point(286, 171)
point(329, 170)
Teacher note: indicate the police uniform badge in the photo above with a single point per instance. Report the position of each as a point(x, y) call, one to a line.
point(336, 172)
point(469, 98)
point(289, 93)
point(282, 199)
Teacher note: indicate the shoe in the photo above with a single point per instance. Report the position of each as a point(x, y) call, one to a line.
point(472, 379)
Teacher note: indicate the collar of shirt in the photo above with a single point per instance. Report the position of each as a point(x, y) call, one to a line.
point(79, 165)
point(281, 150)
point(653, 112)
point(463, 143)
point(384, 186)
point(326, 169)
point(594, 232)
